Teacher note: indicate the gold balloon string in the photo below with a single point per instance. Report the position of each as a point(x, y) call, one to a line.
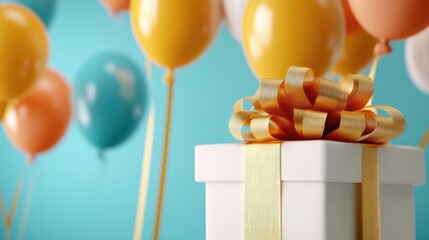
point(169, 80)
point(27, 207)
point(425, 140)
point(147, 159)
point(2, 208)
point(8, 217)
point(372, 73)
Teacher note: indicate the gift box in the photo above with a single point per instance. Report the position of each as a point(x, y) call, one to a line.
point(320, 190)
point(315, 164)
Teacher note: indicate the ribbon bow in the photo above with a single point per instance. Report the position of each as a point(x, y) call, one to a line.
point(303, 107)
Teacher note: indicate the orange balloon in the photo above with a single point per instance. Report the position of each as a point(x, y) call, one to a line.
point(351, 23)
point(23, 50)
point(39, 120)
point(391, 19)
point(357, 52)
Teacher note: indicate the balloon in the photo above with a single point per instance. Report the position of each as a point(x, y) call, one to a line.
point(234, 11)
point(23, 50)
point(357, 52)
point(174, 33)
point(43, 8)
point(278, 34)
point(116, 6)
point(391, 19)
point(417, 59)
point(109, 98)
point(39, 120)
point(351, 23)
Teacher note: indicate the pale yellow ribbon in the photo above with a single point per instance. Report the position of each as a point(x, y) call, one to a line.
point(262, 192)
point(146, 164)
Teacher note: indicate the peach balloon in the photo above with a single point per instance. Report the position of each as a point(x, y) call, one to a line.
point(391, 19)
point(39, 120)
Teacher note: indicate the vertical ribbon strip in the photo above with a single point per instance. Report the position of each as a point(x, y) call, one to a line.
point(262, 192)
point(370, 193)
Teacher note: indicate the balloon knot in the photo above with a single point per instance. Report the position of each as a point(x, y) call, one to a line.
point(101, 154)
point(30, 158)
point(382, 47)
point(169, 77)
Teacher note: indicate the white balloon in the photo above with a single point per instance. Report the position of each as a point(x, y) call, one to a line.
point(417, 59)
point(234, 11)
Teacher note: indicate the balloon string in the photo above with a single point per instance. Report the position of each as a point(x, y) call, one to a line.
point(145, 172)
point(169, 79)
point(2, 208)
point(8, 218)
point(425, 140)
point(149, 69)
point(27, 207)
point(372, 73)
point(373, 69)
point(147, 158)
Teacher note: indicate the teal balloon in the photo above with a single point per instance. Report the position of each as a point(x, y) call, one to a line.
point(110, 98)
point(43, 8)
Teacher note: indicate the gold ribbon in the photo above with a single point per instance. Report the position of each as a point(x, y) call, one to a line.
point(304, 107)
point(370, 194)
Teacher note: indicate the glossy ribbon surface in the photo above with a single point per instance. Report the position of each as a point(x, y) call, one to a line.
point(303, 107)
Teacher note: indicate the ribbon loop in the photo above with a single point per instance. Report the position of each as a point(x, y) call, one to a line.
point(306, 107)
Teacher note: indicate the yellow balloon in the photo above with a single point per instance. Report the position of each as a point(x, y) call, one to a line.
point(23, 50)
point(357, 52)
point(281, 33)
point(174, 33)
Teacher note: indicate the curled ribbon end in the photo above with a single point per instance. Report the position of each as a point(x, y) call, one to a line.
point(169, 77)
point(383, 47)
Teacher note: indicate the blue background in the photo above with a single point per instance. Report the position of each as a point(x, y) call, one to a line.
point(78, 196)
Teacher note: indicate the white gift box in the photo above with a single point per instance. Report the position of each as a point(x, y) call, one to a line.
point(320, 189)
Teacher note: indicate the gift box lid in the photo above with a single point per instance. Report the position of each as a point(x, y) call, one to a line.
point(315, 160)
